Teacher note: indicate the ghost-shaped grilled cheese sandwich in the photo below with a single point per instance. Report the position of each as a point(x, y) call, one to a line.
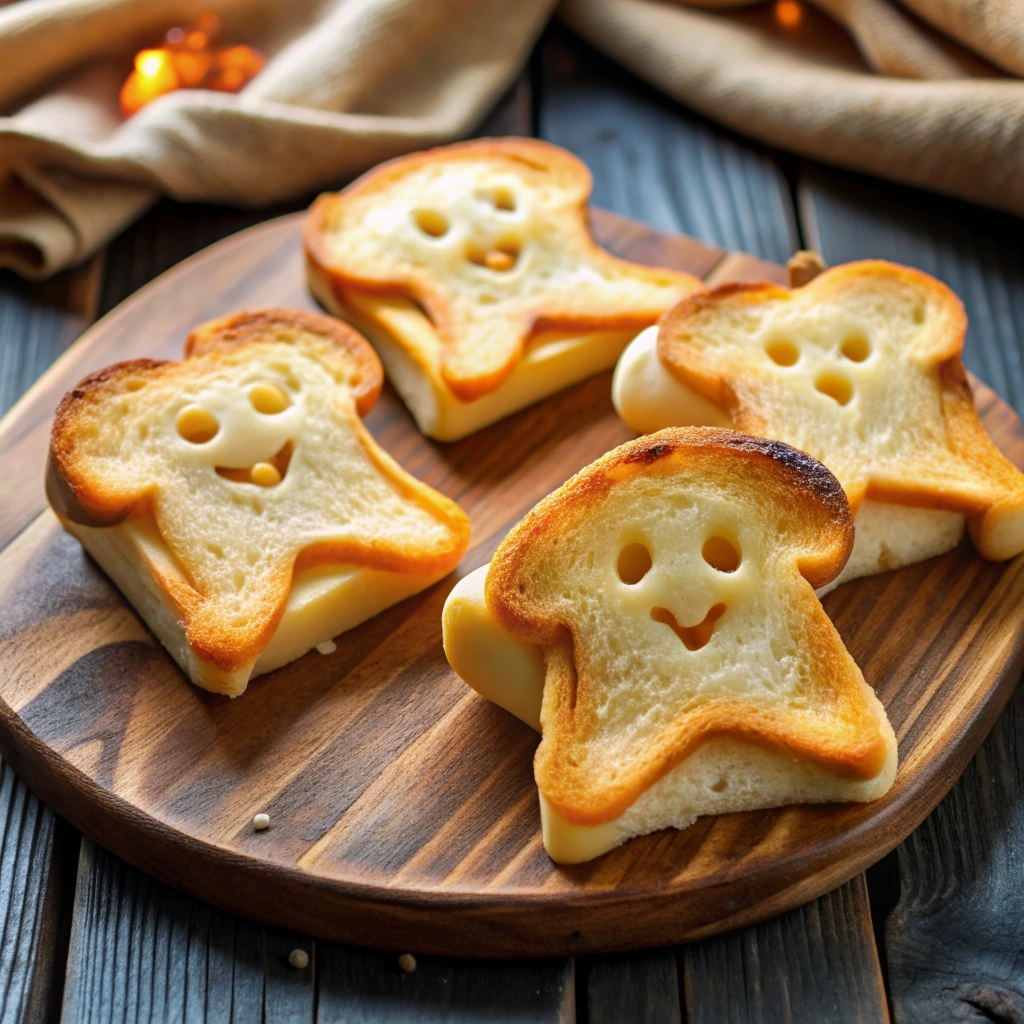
point(860, 368)
point(238, 501)
point(656, 619)
point(473, 271)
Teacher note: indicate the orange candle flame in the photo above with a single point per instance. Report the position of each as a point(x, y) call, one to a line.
point(788, 13)
point(189, 59)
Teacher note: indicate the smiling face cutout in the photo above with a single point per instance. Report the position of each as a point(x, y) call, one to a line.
point(251, 459)
point(491, 239)
point(861, 369)
point(670, 585)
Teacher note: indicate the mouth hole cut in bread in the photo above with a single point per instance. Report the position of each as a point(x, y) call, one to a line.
point(693, 637)
point(263, 474)
point(501, 258)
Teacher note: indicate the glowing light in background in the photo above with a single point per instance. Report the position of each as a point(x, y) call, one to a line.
point(189, 59)
point(788, 13)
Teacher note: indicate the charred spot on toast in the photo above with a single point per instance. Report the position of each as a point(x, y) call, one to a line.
point(649, 452)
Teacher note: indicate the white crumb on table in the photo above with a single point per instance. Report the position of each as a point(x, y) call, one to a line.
point(407, 962)
point(327, 647)
point(299, 959)
point(260, 822)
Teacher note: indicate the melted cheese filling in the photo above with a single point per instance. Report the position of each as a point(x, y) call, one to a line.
point(410, 350)
point(649, 398)
point(324, 600)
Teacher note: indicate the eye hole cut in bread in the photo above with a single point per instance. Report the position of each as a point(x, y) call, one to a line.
point(249, 464)
point(669, 586)
point(491, 239)
point(861, 368)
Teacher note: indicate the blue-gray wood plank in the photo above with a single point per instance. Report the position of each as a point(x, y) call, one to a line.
point(36, 883)
point(141, 951)
point(955, 940)
point(364, 987)
point(816, 963)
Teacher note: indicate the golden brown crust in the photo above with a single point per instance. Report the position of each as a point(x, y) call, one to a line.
point(72, 493)
point(976, 480)
point(459, 367)
point(814, 518)
point(83, 495)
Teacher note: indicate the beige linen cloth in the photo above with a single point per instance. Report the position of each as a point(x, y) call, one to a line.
point(926, 94)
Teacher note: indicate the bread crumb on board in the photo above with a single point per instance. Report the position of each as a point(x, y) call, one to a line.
point(327, 647)
point(260, 822)
point(299, 959)
point(407, 962)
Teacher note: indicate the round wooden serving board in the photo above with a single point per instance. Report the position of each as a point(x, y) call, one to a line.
point(402, 805)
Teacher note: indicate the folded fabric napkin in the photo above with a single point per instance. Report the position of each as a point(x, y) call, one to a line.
point(351, 82)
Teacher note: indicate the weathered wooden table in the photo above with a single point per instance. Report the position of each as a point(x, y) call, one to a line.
point(934, 932)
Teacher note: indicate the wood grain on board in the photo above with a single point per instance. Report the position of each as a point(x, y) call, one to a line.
point(954, 940)
point(402, 805)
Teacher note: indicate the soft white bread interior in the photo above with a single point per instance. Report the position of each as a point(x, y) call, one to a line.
point(489, 244)
point(238, 501)
point(888, 536)
point(661, 602)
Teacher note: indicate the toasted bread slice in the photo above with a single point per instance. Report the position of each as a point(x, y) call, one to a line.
point(489, 242)
point(237, 499)
point(688, 667)
point(860, 368)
